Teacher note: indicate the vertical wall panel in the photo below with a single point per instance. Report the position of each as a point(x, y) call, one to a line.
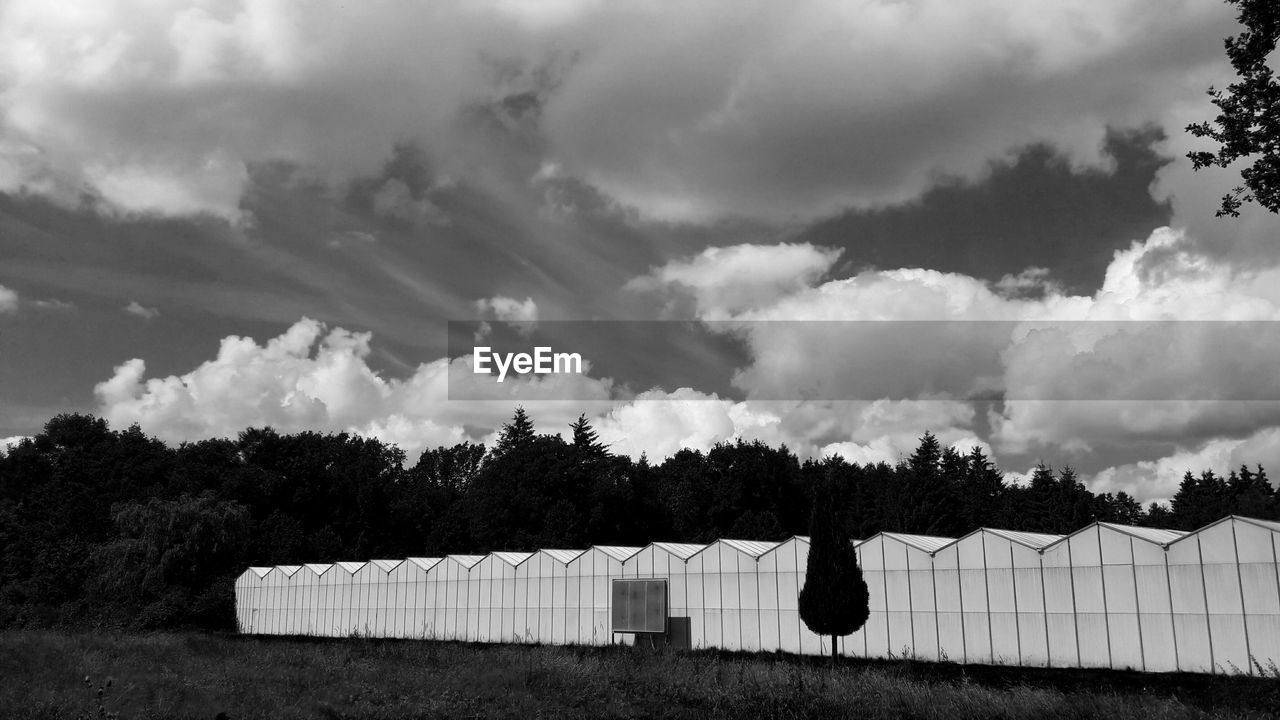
point(951, 645)
point(924, 620)
point(1190, 616)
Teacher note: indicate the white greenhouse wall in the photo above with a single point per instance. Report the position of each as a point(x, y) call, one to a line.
point(1106, 596)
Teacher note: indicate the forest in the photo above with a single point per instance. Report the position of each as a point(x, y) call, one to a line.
point(103, 528)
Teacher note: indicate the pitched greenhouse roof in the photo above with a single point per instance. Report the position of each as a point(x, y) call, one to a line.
point(928, 543)
point(1159, 536)
point(684, 551)
point(1268, 524)
point(564, 556)
point(1035, 541)
point(621, 553)
point(757, 548)
point(754, 548)
point(512, 558)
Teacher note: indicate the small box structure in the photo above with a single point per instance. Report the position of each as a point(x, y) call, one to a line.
point(639, 606)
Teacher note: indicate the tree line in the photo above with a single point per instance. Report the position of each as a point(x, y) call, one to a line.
point(113, 528)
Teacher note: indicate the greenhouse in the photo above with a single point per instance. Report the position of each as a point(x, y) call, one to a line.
point(1105, 596)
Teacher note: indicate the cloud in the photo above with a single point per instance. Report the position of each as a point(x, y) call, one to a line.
point(659, 423)
point(1157, 480)
point(160, 108)
point(1140, 384)
point(312, 378)
point(7, 444)
point(1195, 196)
point(892, 449)
point(54, 305)
point(1169, 373)
point(394, 200)
point(1031, 281)
point(727, 280)
point(717, 109)
point(138, 310)
point(8, 300)
point(763, 110)
point(508, 309)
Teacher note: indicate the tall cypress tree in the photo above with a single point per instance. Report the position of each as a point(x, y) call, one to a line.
point(834, 600)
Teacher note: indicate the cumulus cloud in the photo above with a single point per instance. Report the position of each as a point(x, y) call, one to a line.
point(1177, 384)
point(7, 444)
point(313, 378)
point(659, 423)
point(8, 300)
point(755, 109)
point(1157, 480)
point(1122, 370)
point(316, 378)
point(892, 449)
point(139, 310)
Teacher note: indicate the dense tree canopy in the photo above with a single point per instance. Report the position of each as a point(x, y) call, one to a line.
point(107, 527)
point(1248, 122)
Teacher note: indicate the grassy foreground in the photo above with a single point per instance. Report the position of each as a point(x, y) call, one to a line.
point(42, 675)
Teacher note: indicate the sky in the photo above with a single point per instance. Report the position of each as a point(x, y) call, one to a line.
point(229, 213)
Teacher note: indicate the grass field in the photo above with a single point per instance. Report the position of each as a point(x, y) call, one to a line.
point(42, 675)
